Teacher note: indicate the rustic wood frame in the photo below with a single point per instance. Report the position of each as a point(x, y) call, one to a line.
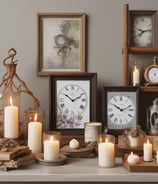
point(62, 41)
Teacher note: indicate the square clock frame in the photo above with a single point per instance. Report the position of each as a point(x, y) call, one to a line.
point(72, 101)
point(120, 108)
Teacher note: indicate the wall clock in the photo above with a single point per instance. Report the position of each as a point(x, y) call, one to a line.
point(72, 101)
point(142, 28)
point(151, 73)
point(120, 108)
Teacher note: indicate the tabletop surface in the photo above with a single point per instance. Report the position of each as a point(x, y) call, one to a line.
point(75, 170)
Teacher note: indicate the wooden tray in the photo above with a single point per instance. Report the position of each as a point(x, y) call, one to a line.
point(141, 166)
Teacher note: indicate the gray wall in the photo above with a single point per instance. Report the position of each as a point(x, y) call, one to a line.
point(18, 29)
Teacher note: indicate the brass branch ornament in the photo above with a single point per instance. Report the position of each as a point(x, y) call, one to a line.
point(8, 83)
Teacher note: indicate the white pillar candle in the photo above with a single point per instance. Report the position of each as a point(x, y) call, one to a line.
point(106, 154)
point(35, 136)
point(133, 158)
point(147, 151)
point(11, 121)
point(136, 76)
point(51, 149)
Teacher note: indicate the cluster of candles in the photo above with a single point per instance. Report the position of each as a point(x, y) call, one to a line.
point(51, 146)
point(51, 143)
point(147, 154)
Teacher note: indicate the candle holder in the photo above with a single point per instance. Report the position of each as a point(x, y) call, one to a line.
point(51, 145)
point(136, 73)
point(12, 85)
point(134, 137)
point(91, 131)
point(106, 150)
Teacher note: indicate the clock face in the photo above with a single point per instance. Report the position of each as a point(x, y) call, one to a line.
point(121, 109)
point(72, 103)
point(153, 75)
point(142, 31)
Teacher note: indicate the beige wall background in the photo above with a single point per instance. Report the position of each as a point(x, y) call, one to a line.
point(18, 29)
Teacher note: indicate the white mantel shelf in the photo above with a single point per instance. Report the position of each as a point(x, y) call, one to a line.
point(75, 170)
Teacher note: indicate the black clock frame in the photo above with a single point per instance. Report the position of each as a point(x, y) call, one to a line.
point(105, 91)
point(92, 77)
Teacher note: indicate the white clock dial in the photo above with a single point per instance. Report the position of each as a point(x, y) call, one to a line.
point(121, 110)
point(73, 103)
point(72, 99)
point(142, 31)
point(153, 75)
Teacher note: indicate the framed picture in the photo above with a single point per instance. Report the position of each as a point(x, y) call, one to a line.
point(120, 108)
point(72, 101)
point(61, 42)
point(142, 28)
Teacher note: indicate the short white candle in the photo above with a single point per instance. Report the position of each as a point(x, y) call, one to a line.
point(133, 158)
point(136, 76)
point(51, 149)
point(35, 135)
point(147, 151)
point(11, 121)
point(106, 154)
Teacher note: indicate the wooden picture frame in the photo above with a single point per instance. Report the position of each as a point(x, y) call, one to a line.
point(72, 101)
point(120, 108)
point(142, 28)
point(61, 43)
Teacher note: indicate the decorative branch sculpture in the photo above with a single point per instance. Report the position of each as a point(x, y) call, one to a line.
point(7, 83)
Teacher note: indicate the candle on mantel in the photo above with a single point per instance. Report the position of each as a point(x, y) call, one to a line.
point(136, 76)
point(133, 158)
point(147, 151)
point(35, 135)
point(106, 154)
point(51, 149)
point(11, 120)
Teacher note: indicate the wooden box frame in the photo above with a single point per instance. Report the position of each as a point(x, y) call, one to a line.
point(61, 43)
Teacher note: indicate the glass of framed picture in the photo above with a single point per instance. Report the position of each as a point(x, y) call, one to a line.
point(72, 101)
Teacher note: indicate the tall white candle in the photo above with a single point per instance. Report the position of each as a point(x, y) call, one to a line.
point(11, 121)
point(35, 135)
point(106, 154)
point(147, 151)
point(51, 149)
point(136, 76)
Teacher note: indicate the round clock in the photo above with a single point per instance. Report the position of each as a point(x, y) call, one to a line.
point(151, 73)
point(121, 110)
point(72, 101)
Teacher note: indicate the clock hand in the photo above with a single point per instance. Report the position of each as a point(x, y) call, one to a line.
point(117, 107)
point(68, 97)
point(126, 107)
point(77, 97)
